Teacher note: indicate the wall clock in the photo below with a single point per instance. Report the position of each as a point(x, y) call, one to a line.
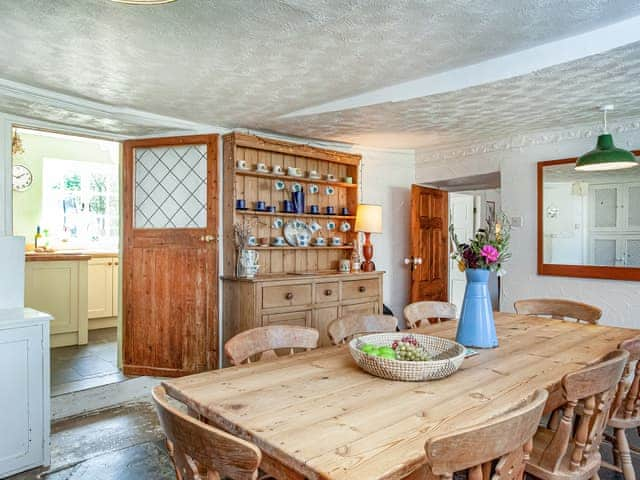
point(22, 178)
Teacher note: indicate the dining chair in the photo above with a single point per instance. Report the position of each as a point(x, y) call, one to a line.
point(625, 411)
point(202, 452)
point(262, 342)
point(559, 309)
point(571, 449)
point(494, 450)
point(418, 312)
point(344, 329)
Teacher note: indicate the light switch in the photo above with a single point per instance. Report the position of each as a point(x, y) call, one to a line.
point(517, 222)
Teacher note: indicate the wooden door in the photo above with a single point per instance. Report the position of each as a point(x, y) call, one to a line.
point(170, 267)
point(429, 244)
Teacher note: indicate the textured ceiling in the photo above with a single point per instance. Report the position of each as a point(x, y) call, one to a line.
point(242, 63)
point(556, 97)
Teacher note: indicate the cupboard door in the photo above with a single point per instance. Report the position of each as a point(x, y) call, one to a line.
point(100, 287)
point(605, 207)
point(52, 287)
point(301, 318)
point(633, 207)
point(632, 250)
point(21, 407)
point(115, 297)
point(322, 318)
point(604, 251)
point(368, 308)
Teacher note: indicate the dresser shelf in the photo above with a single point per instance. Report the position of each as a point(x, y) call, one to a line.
point(311, 247)
point(294, 215)
point(290, 178)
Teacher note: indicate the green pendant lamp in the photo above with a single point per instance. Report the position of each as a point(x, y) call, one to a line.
point(606, 156)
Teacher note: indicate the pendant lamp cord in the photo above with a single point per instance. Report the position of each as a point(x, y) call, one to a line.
point(605, 121)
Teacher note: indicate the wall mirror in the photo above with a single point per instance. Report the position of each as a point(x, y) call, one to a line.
point(588, 222)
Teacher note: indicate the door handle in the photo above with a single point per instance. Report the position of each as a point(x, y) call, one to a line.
point(413, 262)
point(207, 238)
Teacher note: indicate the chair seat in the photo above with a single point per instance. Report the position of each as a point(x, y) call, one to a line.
point(541, 440)
point(619, 422)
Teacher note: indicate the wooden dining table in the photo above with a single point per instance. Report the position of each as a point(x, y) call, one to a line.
point(317, 415)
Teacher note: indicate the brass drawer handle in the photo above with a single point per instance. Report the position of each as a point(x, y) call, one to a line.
point(328, 292)
point(289, 296)
point(362, 289)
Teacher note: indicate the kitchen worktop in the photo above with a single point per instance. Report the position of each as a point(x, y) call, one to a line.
point(69, 256)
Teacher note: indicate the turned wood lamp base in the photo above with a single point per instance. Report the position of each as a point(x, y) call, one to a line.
point(367, 253)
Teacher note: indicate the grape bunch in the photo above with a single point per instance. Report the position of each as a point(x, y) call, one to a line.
point(408, 349)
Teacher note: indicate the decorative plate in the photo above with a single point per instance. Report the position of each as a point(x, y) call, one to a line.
point(277, 223)
point(331, 225)
point(296, 187)
point(345, 226)
point(313, 188)
point(330, 190)
point(297, 233)
point(279, 185)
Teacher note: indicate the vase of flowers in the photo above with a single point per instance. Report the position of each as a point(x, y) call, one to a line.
point(485, 252)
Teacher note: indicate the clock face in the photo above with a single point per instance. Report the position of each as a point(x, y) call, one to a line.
point(22, 178)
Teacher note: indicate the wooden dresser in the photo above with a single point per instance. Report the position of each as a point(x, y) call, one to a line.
point(296, 285)
point(307, 300)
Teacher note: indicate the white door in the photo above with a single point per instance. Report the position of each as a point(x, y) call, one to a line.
point(461, 216)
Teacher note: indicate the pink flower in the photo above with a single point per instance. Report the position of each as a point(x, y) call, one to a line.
point(490, 253)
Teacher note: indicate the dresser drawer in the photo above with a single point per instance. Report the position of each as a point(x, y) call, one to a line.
point(301, 319)
point(286, 296)
point(367, 308)
point(327, 292)
point(354, 289)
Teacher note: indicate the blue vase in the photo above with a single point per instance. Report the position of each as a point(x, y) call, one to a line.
point(298, 201)
point(476, 327)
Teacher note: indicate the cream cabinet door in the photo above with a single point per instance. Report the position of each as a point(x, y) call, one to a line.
point(52, 287)
point(100, 287)
point(114, 287)
point(322, 318)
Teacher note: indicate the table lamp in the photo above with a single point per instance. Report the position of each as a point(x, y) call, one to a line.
point(368, 221)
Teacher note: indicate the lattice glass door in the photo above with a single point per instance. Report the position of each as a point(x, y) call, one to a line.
point(170, 186)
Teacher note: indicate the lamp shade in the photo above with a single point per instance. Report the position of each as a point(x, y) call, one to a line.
point(369, 218)
point(606, 157)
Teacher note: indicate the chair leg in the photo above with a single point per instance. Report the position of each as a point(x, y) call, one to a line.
point(595, 477)
point(622, 446)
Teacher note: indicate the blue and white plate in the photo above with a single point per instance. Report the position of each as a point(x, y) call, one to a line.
point(279, 185)
point(331, 225)
point(330, 190)
point(296, 187)
point(345, 227)
point(313, 188)
point(277, 223)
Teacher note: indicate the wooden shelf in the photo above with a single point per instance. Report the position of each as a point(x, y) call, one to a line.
point(253, 173)
point(309, 215)
point(310, 247)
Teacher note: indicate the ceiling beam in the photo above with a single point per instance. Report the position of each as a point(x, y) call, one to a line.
point(499, 68)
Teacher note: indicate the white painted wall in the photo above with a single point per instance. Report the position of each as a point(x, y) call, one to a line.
point(516, 159)
point(387, 176)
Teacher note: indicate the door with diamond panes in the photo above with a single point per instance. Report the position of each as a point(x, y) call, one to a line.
point(170, 255)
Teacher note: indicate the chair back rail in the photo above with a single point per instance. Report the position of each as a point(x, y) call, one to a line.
point(560, 309)
point(593, 389)
point(264, 341)
point(626, 404)
point(418, 313)
point(344, 329)
point(200, 451)
point(506, 438)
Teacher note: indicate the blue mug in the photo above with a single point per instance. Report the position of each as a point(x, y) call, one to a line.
point(260, 205)
point(331, 210)
point(241, 204)
point(345, 211)
point(287, 206)
point(314, 209)
point(271, 209)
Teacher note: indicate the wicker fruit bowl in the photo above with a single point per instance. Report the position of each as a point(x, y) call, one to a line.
point(446, 357)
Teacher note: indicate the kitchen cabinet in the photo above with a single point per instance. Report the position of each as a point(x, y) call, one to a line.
point(103, 291)
point(57, 285)
point(24, 369)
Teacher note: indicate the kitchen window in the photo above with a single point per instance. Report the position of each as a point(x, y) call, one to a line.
point(80, 203)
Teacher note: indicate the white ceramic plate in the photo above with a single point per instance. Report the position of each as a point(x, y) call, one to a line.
point(279, 185)
point(331, 225)
point(345, 226)
point(296, 187)
point(330, 190)
point(295, 232)
point(313, 188)
point(277, 223)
